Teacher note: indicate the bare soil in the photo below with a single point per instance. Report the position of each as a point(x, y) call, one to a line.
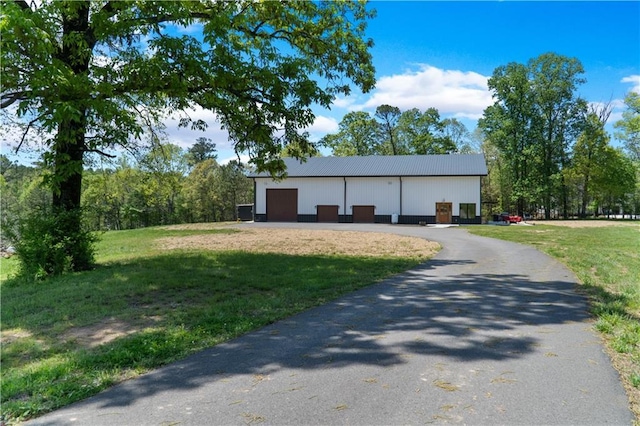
point(299, 242)
point(307, 242)
point(103, 332)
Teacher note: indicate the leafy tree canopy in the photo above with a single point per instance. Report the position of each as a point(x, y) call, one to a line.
point(358, 134)
point(97, 74)
point(534, 120)
point(203, 149)
point(111, 67)
point(629, 125)
point(396, 133)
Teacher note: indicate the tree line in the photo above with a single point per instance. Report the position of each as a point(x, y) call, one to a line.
point(391, 131)
point(158, 186)
point(547, 149)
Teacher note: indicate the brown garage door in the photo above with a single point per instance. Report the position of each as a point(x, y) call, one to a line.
point(363, 214)
point(327, 213)
point(282, 205)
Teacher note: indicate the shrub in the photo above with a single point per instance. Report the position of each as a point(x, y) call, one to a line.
point(51, 242)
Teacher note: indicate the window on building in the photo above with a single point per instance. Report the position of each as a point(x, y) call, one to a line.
point(467, 210)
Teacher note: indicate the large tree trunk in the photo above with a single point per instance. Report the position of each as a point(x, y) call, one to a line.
point(69, 153)
point(70, 141)
point(69, 147)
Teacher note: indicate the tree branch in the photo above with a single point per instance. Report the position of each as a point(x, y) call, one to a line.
point(24, 134)
point(9, 99)
point(22, 4)
point(97, 151)
point(110, 9)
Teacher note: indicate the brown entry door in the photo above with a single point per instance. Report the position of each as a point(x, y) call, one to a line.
point(282, 205)
point(443, 212)
point(327, 213)
point(364, 214)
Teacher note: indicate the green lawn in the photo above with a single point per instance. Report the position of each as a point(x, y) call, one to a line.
point(607, 263)
point(173, 302)
point(182, 301)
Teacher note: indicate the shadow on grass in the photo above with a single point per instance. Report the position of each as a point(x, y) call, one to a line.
point(417, 312)
point(182, 302)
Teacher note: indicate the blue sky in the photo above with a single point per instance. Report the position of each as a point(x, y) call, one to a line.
point(440, 54)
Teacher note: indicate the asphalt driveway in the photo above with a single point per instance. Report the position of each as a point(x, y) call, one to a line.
point(487, 332)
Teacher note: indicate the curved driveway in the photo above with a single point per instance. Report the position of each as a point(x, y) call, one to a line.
point(487, 332)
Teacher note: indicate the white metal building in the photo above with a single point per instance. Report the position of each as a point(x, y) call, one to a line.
point(406, 189)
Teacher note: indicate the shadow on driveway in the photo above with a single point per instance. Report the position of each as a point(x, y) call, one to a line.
point(465, 318)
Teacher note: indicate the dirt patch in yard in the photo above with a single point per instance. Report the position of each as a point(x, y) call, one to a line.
point(284, 241)
point(307, 242)
point(103, 332)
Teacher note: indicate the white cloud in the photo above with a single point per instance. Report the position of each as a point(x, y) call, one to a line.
point(341, 102)
point(322, 126)
point(462, 94)
point(195, 28)
point(633, 79)
point(185, 137)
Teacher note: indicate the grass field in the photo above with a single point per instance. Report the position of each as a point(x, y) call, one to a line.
point(606, 260)
point(158, 295)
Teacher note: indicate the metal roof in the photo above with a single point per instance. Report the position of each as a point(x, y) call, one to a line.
point(386, 165)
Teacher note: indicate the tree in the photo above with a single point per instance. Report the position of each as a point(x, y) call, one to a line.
point(166, 167)
point(616, 180)
point(203, 149)
point(629, 125)
point(560, 111)
point(455, 131)
point(296, 150)
point(201, 197)
point(97, 74)
point(534, 120)
point(21, 191)
point(234, 188)
point(589, 155)
point(589, 159)
point(388, 116)
point(358, 134)
point(421, 133)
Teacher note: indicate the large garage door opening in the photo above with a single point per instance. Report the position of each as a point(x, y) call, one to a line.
point(364, 214)
point(282, 205)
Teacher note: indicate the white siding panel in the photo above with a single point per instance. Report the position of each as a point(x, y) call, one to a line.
point(311, 192)
point(420, 195)
point(384, 193)
point(323, 191)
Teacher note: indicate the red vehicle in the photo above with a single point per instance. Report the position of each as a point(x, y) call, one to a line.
point(511, 218)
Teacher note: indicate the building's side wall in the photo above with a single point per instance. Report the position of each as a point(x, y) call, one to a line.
point(420, 194)
point(383, 193)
